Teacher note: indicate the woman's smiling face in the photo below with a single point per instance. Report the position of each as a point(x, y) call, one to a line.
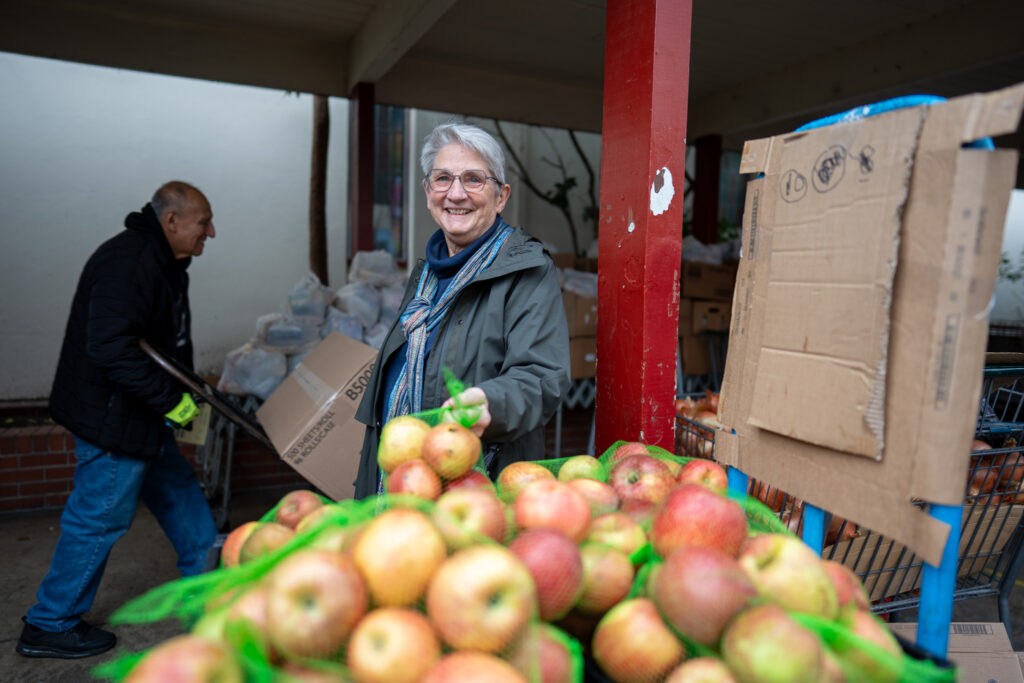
point(464, 216)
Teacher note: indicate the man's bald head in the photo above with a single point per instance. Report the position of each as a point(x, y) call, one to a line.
point(185, 216)
point(173, 195)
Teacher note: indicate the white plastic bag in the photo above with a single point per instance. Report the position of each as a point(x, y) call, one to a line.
point(309, 298)
point(580, 283)
point(360, 299)
point(377, 268)
point(252, 370)
point(391, 303)
point(287, 334)
point(376, 334)
point(338, 321)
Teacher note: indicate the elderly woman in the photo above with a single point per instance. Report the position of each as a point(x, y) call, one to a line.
point(485, 303)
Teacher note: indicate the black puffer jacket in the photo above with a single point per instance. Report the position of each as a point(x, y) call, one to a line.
point(107, 390)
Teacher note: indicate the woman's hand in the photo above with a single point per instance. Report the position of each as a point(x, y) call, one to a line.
point(472, 399)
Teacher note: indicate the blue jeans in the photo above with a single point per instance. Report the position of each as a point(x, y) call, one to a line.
point(100, 510)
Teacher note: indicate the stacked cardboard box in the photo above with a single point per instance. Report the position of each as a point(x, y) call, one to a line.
point(581, 314)
point(981, 651)
point(705, 305)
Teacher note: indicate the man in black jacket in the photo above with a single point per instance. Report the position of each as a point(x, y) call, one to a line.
point(119, 405)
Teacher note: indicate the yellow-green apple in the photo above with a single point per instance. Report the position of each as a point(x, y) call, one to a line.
point(640, 511)
point(694, 515)
point(885, 663)
point(266, 538)
point(618, 530)
point(699, 590)
point(470, 480)
point(831, 668)
point(187, 657)
point(601, 496)
point(701, 670)
point(481, 598)
point(542, 655)
point(651, 581)
point(320, 515)
point(295, 505)
point(392, 645)
point(397, 553)
point(416, 478)
point(249, 612)
point(314, 599)
point(763, 643)
point(705, 472)
point(624, 450)
point(674, 464)
point(401, 439)
point(233, 543)
point(473, 667)
point(788, 573)
point(632, 643)
point(337, 537)
point(641, 477)
point(581, 467)
point(850, 593)
point(468, 516)
point(451, 449)
point(553, 504)
point(556, 566)
point(515, 477)
point(607, 578)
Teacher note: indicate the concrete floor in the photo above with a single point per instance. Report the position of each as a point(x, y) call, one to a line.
point(144, 559)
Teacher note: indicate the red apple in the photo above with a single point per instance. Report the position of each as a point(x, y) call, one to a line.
point(624, 450)
point(872, 629)
point(581, 467)
point(764, 643)
point(249, 611)
point(850, 593)
point(674, 465)
point(607, 578)
point(601, 496)
point(472, 479)
point(699, 590)
point(701, 670)
point(552, 504)
point(415, 478)
point(233, 543)
point(706, 473)
point(295, 505)
point(397, 554)
point(314, 598)
point(632, 643)
point(481, 598)
point(318, 672)
point(640, 511)
point(788, 573)
point(451, 449)
point(473, 667)
point(618, 530)
point(392, 645)
point(187, 658)
point(641, 477)
point(266, 538)
point(401, 439)
point(333, 511)
point(694, 515)
point(467, 516)
point(542, 655)
point(556, 566)
point(515, 477)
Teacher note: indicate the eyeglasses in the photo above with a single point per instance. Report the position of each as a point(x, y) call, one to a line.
point(441, 180)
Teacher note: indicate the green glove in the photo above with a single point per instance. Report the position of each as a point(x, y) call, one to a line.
point(183, 413)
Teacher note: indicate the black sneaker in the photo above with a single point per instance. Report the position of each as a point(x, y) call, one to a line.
point(83, 640)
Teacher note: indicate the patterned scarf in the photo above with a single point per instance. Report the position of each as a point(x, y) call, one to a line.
point(423, 315)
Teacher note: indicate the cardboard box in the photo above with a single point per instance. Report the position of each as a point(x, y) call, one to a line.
point(586, 265)
point(581, 314)
point(685, 316)
point(583, 357)
point(694, 354)
point(310, 417)
point(870, 254)
point(711, 316)
point(707, 281)
point(981, 651)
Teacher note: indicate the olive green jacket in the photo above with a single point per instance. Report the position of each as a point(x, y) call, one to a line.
point(505, 333)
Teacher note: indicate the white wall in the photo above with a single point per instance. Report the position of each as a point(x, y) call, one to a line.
point(82, 146)
point(1009, 297)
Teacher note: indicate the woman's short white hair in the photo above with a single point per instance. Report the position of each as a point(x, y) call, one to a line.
point(469, 136)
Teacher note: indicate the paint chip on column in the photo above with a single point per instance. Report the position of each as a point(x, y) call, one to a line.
point(662, 191)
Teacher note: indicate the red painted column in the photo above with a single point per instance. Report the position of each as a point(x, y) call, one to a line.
point(361, 141)
point(643, 157)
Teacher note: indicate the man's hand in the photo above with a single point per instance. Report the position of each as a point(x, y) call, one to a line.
point(471, 400)
point(184, 412)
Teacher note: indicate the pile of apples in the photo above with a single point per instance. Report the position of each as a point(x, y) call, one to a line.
point(462, 579)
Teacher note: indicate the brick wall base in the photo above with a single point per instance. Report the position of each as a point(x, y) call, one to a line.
point(37, 464)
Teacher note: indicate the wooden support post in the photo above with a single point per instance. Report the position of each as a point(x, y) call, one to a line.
point(361, 140)
point(643, 158)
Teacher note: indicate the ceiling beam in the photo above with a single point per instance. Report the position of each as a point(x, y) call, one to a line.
point(392, 28)
point(974, 34)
